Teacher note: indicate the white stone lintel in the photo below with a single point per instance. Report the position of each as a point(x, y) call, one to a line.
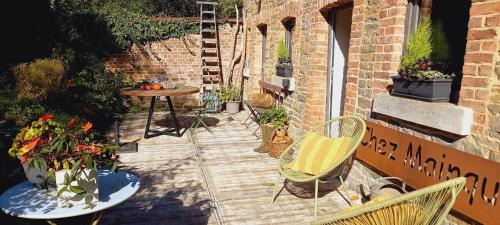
point(442, 116)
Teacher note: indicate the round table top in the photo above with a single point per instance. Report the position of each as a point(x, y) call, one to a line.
point(26, 201)
point(177, 91)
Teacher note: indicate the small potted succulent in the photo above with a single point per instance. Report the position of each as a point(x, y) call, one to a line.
point(425, 71)
point(284, 66)
point(63, 152)
point(231, 97)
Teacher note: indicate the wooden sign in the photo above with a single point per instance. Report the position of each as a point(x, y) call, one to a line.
point(422, 163)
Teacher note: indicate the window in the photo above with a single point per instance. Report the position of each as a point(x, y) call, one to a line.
point(413, 16)
point(289, 24)
point(263, 32)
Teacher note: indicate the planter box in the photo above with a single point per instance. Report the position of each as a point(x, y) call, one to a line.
point(427, 90)
point(284, 70)
point(232, 106)
point(38, 177)
point(87, 181)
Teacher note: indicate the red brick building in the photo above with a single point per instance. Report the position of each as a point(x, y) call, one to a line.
point(344, 53)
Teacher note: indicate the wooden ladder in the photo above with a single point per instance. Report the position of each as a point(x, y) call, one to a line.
point(210, 57)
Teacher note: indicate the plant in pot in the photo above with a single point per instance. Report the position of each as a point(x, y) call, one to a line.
point(284, 67)
point(231, 97)
point(425, 69)
point(273, 123)
point(63, 152)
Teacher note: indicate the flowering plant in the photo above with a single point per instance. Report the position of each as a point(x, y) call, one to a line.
point(58, 144)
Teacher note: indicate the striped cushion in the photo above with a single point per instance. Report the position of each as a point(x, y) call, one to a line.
point(317, 153)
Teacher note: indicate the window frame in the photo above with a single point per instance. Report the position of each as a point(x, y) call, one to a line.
point(412, 19)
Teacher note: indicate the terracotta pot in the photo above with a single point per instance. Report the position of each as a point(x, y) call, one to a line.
point(87, 181)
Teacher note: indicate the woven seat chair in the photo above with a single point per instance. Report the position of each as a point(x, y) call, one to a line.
point(426, 206)
point(343, 126)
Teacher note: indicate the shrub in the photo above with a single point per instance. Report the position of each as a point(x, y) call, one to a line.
point(35, 80)
point(419, 44)
point(440, 48)
point(229, 94)
point(282, 52)
point(23, 112)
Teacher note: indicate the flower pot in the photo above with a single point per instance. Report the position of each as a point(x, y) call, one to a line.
point(232, 106)
point(284, 70)
point(38, 177)
point(88, 184)
point(427, 90)
point(267, 132)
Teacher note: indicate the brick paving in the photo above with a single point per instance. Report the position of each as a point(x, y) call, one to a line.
point(218, 180)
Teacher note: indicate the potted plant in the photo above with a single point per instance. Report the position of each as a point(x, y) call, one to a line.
point(284, 66)
point(273, 123)
point(64, 153)
point(231, 97)
point(425, 71)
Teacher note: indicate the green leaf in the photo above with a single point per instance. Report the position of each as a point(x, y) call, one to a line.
point(77, 189)
point(63, 189)
point(75, 167)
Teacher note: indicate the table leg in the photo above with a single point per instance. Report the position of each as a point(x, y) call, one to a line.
point(172, 113)
point(51, 222)
point(150, 116)
point(97, 217)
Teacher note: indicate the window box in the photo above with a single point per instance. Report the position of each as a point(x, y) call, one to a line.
point(284, 70)
point(427, 90)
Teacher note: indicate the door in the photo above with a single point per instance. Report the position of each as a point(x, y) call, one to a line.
point(340, 24)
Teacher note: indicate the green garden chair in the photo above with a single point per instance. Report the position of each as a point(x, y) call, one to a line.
point(351, 127)
point(426, 206)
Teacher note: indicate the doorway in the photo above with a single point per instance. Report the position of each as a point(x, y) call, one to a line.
point(340, 31)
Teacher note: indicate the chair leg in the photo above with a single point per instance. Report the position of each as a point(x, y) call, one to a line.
point(276, 188)
point(245, 122)
point(346, 191)
point(316, 188)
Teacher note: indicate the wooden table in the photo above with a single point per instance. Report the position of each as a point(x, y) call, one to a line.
point(26, 201)
point(168, 93)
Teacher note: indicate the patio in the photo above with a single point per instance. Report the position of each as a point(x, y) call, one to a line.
point(213, 179)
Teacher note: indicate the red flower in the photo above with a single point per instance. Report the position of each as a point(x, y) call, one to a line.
point(72, 122)
point(69, 84)
point(96, 152)
point(79, 148)
point(86, 127)
point(24, 159)
point(45, 117)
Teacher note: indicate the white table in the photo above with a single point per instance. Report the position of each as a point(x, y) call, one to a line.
point(26, 201)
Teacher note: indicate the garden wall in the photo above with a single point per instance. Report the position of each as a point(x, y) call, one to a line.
point(177, 60)
point(376, 47)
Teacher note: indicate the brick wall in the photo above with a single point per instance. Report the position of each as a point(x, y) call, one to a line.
point(376, 43)
point(177, 60)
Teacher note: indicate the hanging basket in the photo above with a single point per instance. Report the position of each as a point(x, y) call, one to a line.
point(276, 148)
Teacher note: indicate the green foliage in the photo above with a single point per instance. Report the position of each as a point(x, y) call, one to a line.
point(35, 80)
point(226, 8)
point(21, 112)
point(276, 116)
point(229, 94)
point(282, 52)
point(440, 47)
point(419, 44)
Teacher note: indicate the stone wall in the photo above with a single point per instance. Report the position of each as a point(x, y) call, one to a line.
point(177, 60)
point(376, 47)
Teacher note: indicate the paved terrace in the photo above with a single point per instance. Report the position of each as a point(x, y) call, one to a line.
point(218, 180)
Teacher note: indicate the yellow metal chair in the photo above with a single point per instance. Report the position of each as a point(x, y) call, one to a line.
point(426, 206)
point(345, 126)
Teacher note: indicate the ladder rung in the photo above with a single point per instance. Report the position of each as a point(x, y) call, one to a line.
point(206, 3)
point(207, 30)
point(211, 59)
point(210, 41)
point(210, 76)
point(209, 50)
point(208, 12)
point(208, 21)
